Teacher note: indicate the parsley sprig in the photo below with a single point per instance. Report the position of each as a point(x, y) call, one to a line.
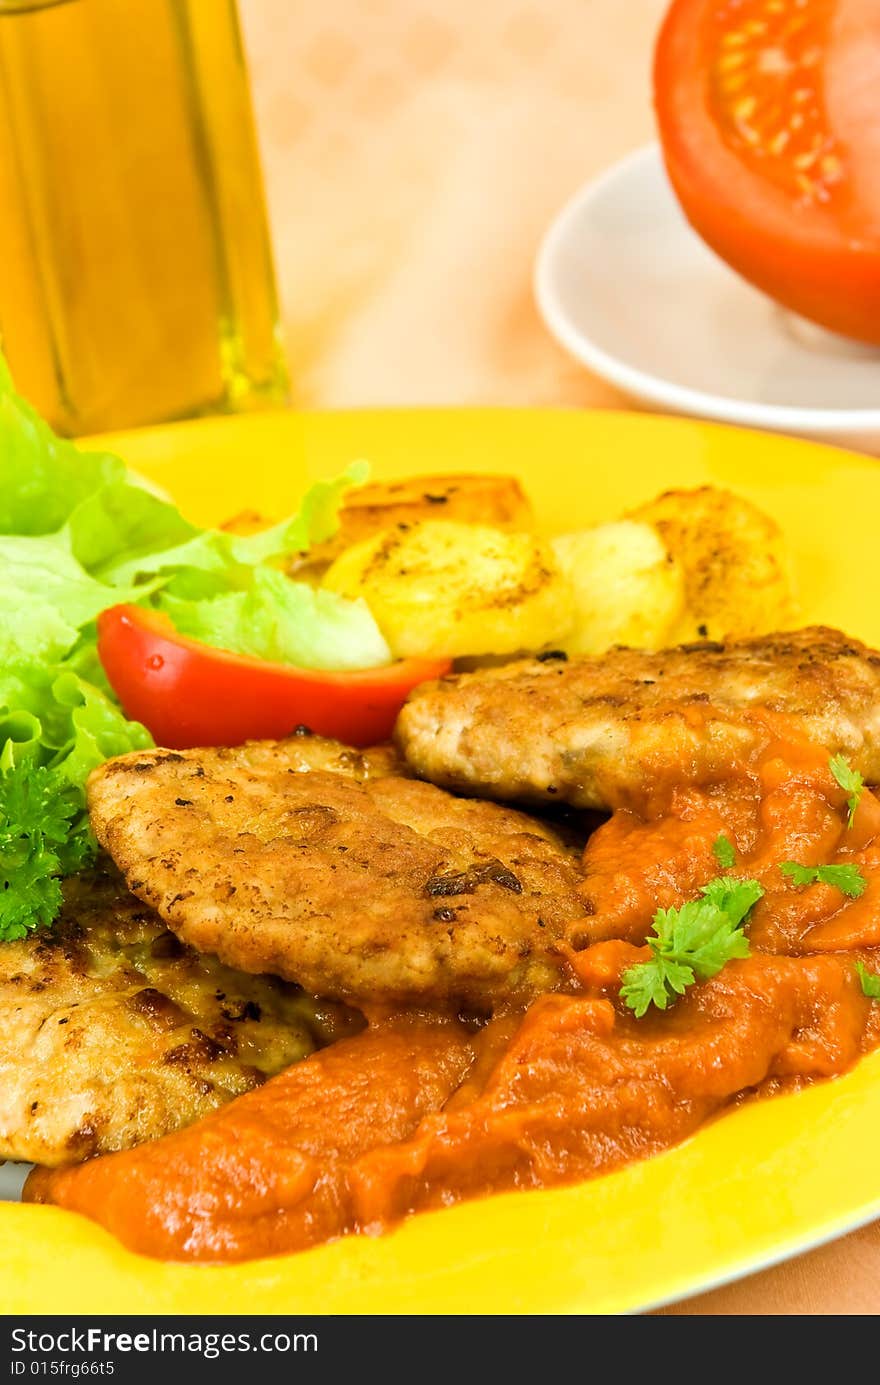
point(44, 835)
point(850, 781)
point(695, 941)
point(692, 942)
point(870, 981)
point(724, 851)
point(846, 878)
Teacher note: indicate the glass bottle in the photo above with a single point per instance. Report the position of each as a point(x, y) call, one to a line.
point(136, 277)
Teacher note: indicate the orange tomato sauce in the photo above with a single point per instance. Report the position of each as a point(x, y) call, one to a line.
point(421, 1111)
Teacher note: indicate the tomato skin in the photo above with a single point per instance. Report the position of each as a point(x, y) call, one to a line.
point(821, 261)
point(189, 694)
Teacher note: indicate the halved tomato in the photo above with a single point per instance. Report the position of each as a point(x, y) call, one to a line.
point(769, 115)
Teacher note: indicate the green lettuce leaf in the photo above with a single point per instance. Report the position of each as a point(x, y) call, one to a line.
point(48, 596)
point(287, 622)
point(80, 533)
point(121, 525)
point(42, 477)
point(140, 554)
point(54, 730)
point(50, 715)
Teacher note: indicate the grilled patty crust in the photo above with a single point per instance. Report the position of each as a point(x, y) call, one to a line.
point(114, 1032)
point(374, 890)
point(603, 732)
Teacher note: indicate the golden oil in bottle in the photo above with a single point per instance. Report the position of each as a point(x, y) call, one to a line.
point(136, 277)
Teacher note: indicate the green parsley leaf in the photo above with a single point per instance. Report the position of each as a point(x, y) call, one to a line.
point(733, 897)
point(870, 981)
point(650, 983)
point(44, 834)
point(849, 780)
point(694, 941)
point(33, 800)
point(846, 878)
point(32, 898)
point(724, 851)
point(799, 875)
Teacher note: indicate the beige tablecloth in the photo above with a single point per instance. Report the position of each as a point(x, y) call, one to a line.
point(414, 152)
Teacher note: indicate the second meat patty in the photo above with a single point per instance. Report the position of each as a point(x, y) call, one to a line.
point(369, 889)
point(616, 730)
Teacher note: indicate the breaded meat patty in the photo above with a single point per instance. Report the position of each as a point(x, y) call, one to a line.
point(606, 731)
point(114, 1032)
point(371, 890)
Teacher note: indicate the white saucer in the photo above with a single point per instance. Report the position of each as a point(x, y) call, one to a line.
point(633, 293)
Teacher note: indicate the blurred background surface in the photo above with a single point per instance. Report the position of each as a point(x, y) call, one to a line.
point(414, 152)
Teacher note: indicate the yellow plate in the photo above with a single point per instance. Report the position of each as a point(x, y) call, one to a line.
point(754, 1186)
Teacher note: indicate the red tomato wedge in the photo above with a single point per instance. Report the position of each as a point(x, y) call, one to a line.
point(187, 693)
point(769, 115)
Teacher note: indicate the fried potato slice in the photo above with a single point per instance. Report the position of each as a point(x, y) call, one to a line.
point(627, 588)
point(736, 571)
point(438, 588)
point(496, 500)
